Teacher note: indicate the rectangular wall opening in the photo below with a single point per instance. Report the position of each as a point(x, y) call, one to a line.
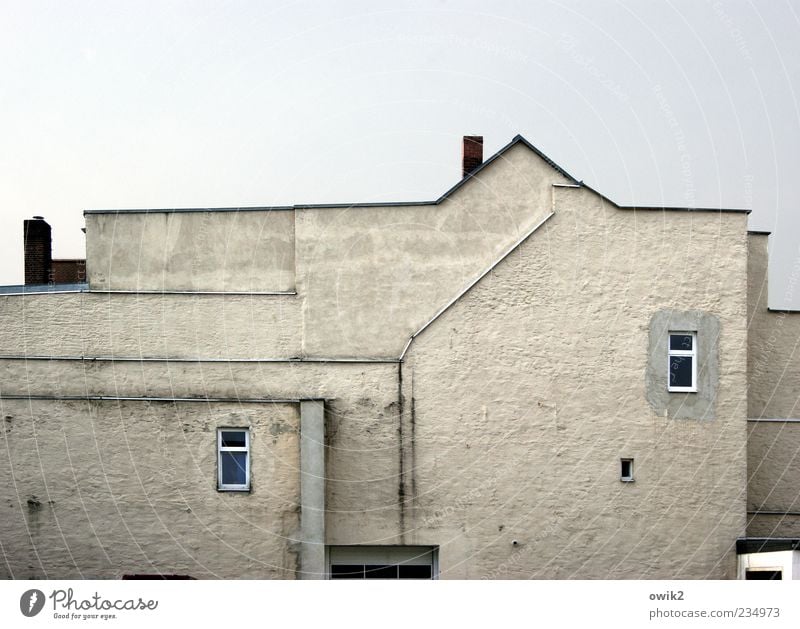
point(763, 575)
point(626, 470)
point(382, 562)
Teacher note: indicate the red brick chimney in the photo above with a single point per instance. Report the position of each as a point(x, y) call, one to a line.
point(38, 251)
point(472, 156)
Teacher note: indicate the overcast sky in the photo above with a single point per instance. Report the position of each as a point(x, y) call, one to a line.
point(180, 104)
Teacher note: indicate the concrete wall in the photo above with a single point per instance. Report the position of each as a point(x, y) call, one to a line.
point(524, 396)
point(517, 403)
point(130, 325)
point(215, 251)
point(362, 461)
point(103, 489)
point(773, 372)
point(366, 277)
point(773, 344)
point(370, 277)
point(773, 459)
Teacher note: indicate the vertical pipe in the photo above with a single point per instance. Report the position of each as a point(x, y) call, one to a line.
point(312, 489)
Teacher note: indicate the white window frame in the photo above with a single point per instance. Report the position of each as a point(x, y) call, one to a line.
point(382, 555)
point(246, 449)
point(629, 477)
point(682, 352)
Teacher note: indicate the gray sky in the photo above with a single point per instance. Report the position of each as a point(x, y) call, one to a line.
point(176, 104)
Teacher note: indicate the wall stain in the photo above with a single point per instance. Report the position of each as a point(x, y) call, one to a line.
point(413, 442)
point(280, 428)
point(401, 489)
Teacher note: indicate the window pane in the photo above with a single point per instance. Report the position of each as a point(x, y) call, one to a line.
point(380, 572)
point(680, 342)
point(415, 572)
point(233, 439)
point(233, 468)
point(347, 572)
point(680, 371)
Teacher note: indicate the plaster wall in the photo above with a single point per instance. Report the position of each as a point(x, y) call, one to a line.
point(773, 458)
point(103, 489)
point(773, 374)
point(366, 277)
point(516, 404)
point(773, 343)
point(523, 397)
point(370, 277)
point(362, 453)
point(131, 325)
point(204, 250)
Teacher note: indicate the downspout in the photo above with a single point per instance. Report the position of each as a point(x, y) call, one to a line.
point(312, 490)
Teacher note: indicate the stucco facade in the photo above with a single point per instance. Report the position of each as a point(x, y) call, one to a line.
point(773, 467)
point(484, 362)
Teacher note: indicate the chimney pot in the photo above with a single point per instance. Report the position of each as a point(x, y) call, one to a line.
point(472, 156)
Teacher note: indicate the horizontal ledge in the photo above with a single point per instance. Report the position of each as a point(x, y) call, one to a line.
point(747, 545)
point(191, 292)
point(773, 513)
point(135, 398)
point(378, 204)
point(266, 208)
point(787, 310)
point(148, 292)
point(765, 420)
point(655, 208)
point(159, 359)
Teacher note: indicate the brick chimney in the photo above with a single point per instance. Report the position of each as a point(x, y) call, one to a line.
point(38, 250)
point(472, 156)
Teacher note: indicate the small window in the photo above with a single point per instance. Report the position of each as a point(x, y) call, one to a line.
point(381, 571)
point(233, 460)
point(626, 470)
point(682, 365)
point(382, 562)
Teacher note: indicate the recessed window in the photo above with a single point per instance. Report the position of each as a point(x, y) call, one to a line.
point(626, 470)
point(682, 367)
point(381, 571)
point(233, 460)
point(381, 562)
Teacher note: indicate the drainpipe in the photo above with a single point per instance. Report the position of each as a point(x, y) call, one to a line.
point(312, 489)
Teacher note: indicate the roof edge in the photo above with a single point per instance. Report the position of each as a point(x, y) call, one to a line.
point(517, 139)
point(656, 208)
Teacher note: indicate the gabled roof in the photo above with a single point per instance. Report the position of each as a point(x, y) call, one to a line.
point(518, 139)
